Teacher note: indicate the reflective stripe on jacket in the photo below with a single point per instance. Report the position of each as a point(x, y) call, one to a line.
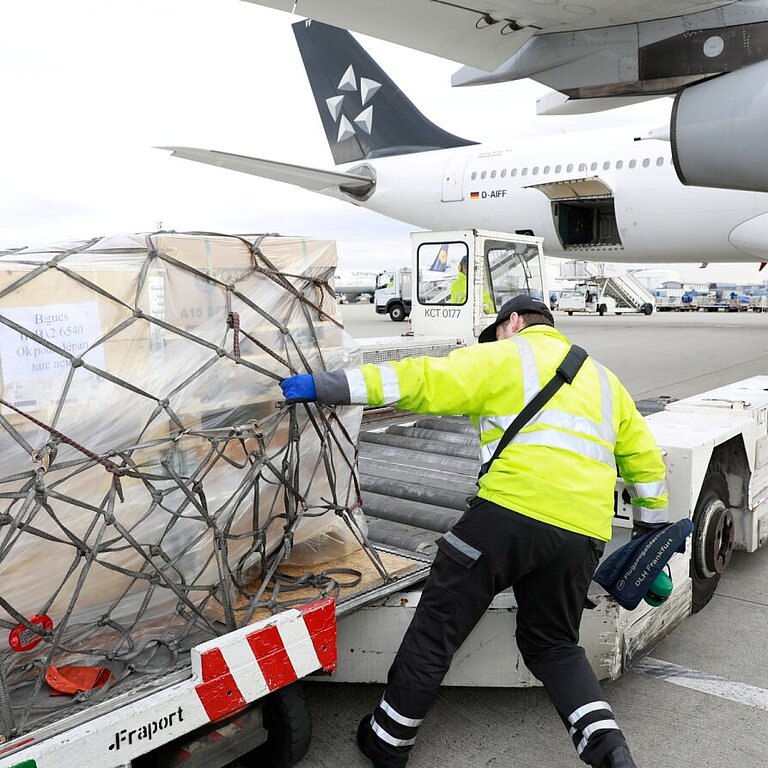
point(561, 467)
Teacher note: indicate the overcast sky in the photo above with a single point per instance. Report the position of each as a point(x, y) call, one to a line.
point(89, 87)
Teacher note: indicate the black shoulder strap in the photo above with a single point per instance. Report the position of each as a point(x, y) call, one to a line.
point(565, 374)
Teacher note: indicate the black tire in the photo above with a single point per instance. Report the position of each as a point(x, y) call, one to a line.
point(602, 309)
point(712, 540)
point(397, 313)
point(289, 726)
point(570, 314)
point(647, 309)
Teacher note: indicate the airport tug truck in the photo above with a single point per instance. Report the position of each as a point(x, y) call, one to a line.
point(416, 472)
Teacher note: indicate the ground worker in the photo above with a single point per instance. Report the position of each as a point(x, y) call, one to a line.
point(459, 283)
point(538, 524)
point(459, 288)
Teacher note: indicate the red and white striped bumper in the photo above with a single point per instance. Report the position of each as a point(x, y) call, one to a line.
point(228, 673)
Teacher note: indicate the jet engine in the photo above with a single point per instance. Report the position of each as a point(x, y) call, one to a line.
point(718, 131)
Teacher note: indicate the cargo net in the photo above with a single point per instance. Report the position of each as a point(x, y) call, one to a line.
point(154, 493)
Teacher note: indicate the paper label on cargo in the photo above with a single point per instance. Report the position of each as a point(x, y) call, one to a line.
point(33, 374)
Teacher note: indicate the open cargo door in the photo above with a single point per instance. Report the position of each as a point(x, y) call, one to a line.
point(583, 212)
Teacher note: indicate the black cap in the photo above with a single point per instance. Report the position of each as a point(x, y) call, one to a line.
point(522, 304)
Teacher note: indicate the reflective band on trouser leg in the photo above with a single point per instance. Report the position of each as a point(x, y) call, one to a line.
point(590, 730)
point(393, 727)
point(589, 724)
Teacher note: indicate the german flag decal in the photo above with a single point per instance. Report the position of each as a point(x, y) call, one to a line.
point(474, 195)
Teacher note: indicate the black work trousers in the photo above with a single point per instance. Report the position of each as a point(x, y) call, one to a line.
point(489, 550)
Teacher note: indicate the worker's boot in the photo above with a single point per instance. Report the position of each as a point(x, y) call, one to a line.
point(381, 754)
point(618, 757)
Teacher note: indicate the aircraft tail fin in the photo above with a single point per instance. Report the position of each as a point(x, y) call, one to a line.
point(363, 112)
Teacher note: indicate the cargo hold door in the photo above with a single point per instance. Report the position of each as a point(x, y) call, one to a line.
point(583, 212)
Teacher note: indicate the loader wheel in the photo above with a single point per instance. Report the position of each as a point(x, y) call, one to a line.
point(289, 727)
point(647, 309)
point(570, 314)
point(397, 313)
point(712, 540)
point(602, 309)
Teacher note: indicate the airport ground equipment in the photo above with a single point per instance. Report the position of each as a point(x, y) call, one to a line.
point(758, 302)
point(593, 291)
point(416, 473)
point(500, 265)
point(393, 295)
point(174, 549)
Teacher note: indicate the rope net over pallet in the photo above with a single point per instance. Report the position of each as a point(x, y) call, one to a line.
point(151, 492)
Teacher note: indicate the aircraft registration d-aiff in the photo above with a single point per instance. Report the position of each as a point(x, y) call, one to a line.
point(596, 195)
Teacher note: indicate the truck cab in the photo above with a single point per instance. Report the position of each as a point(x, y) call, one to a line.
point(463, 277)
point(394, 293)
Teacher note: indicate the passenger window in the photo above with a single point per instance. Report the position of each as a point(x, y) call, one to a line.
point(503, 172)
point(513, 172)
point(593, 167)
point(483, 175)
point(619, 165)
point(659, 161)
point(558, 168)
point(569, 168)
point(474, 175)
point(524, 172)
point(606, 165)
point(632, 163)
point(646, 162)
point(493, 174)
point(535, 170)
point(582, 167)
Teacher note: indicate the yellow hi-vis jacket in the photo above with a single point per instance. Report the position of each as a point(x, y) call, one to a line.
point(561, 467)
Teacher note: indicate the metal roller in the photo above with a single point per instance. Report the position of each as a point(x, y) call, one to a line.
point(410, 512)
point(460, 426)
point(414, 492)
point(404, 457)
point(415, 444)
point(434, 478)
point(431, 434)
point(402, 536)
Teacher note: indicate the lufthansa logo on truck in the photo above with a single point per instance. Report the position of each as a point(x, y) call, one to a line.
point(145, 732)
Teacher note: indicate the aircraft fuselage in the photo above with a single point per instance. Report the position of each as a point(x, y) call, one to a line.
point(639, 212)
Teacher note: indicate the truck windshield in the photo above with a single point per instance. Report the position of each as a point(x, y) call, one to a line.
point(509, 271)
point(443, 273)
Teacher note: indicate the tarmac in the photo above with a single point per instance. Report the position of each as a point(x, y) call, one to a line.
point(701, 696)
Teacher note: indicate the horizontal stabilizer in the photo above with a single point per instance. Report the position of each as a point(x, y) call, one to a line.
point(312, 179)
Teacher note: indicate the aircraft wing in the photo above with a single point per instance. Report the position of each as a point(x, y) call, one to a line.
point(482, 33)
point(312, 179)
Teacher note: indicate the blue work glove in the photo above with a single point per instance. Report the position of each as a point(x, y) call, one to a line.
point(299, 388)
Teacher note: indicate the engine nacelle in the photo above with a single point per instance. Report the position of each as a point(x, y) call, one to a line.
point(719, 131)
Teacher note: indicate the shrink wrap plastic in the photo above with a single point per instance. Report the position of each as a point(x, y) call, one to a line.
point(126, 346)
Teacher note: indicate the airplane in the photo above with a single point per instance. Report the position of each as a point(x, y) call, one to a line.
point(713, 54)
point(351, 284)
point(598, 195)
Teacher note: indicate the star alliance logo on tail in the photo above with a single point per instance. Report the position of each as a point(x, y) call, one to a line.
point(364, 119)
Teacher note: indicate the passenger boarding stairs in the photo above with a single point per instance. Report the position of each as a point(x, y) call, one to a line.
point(627, 291)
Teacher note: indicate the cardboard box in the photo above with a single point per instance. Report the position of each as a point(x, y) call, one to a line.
point(151, 313)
